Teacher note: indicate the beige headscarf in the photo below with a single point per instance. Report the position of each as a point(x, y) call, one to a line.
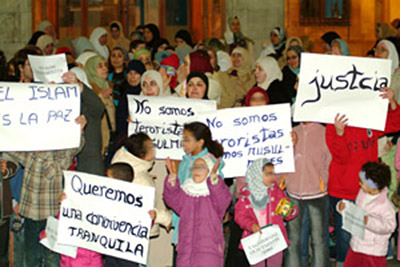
point(246, 66)
point(121, 41)
point(44, 41)
point(42, 26)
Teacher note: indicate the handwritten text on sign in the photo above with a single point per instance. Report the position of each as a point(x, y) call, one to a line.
point(106, 215)
point(260, 246)
point(162, 118)
point(347, 85)
point(39, 116)
point(48, 68)
point(250, 133)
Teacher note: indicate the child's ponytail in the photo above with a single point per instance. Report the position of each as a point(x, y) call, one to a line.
point(201, 131)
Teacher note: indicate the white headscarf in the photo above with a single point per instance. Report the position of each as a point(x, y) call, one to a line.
point(94, 39)
point(198, 189)
point(81, 75)
point(224, 61)
point(84, 57)
point(271, 68)
point(156, 76)
point(392, 55)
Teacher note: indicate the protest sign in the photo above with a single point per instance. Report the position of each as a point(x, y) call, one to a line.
point(48, 69)
point(162, 118)
point(249, 133)
point(106, 215)
point(50, 241)
point(38, 117)
point(347, 85)
point(353, 219)
point(261, 246)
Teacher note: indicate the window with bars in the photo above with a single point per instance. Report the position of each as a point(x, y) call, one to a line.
point(324, 12)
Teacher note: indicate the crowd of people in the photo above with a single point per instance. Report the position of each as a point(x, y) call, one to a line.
point(199, 217)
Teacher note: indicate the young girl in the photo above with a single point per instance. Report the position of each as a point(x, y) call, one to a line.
point(197, 143)
point(257, 204)
point(138, 151)
point(201, 203)
point(380, 219)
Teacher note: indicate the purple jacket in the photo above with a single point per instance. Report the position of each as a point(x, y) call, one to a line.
point(245, 216)
point(201, 240)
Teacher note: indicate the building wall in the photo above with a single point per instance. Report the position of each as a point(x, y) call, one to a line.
point(257, 18)
point(16, 25)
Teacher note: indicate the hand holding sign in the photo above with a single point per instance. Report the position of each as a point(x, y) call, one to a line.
point(388, 93)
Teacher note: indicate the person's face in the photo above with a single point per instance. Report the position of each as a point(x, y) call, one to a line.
point(257, 99)
point(50, 31)
point(326, 47)
point(237, 60)
point(336, 49)
point(235, 26)
point(268, 175)
point(213, 58)
point(179, 42)
point(162, 47)
point(70, 58)
point(103, 39)
point(381, 51)
point(115, 32)
point(145, 59)
point(293, 59)
point(133, 78)
point(199, 171)
point(26, 71)
point(190, 144)
point(150, 150)
point(48, 50)
point(274, 38)
point(102, 70)
point(150, 87)
point(260, 74)
point(294, 42)
point(196, 88)
point(117, 58)
point(148, 35)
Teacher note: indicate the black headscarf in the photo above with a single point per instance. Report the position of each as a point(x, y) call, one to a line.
point(201, 76)
point(185, 35)
point(156, 35)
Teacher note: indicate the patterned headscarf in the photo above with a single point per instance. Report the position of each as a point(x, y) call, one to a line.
point(258, 190)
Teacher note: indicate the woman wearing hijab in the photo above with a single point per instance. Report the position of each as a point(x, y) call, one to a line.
point(387, 50)
point(241, 78)
point(269, 76)
point(197, 85)
point(151, 35)
point(327, 39)
point(117, 37)
point(98, 38)
point(35, 37)
point(46, 44)
point(82, 45)
point(340, 47)
point(96, 71)
point(183, 37)
point(291, 70)
point(152, 84)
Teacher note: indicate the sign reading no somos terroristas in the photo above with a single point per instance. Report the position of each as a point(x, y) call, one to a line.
point(162, 118)
point(106, 215)
point(48, 68)
point(249, 133)
point(39, 116)
point(347, 85)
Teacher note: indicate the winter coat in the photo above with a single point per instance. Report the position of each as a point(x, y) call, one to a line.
point(245, 216)
point(142, 176)
point(312, 158)
point(201, 239)
point(380, 226)
point(350, 151)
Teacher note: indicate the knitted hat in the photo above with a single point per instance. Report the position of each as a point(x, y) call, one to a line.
point(136, 65)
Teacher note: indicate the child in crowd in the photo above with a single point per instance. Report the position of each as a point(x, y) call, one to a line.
point(201, 202)
point(197, 142)
point(380, 218)
point(257, 204)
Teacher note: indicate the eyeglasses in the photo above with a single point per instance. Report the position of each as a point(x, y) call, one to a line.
point(200, 168)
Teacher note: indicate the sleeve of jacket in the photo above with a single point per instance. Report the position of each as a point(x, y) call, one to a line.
point(164, 217)
point(384, 223)
point(337, 145)
point(243, 215)
point(220, 196)
point(173, 196)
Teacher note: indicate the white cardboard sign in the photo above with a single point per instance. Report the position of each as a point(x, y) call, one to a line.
point(48, 69)
point(38, 117)
point(106, 215)
point(347, 85)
